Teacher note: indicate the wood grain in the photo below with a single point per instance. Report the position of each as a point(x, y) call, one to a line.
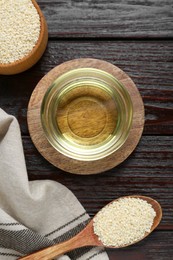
point(148, 171)
point(87, 236)
point(60, 159)
point(157, 246)
point(126, 19)
point(149, 64)
point(92, 29)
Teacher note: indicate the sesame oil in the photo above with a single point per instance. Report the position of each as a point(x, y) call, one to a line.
point(86, 114)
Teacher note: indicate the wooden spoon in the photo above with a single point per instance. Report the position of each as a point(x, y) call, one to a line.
point(87, 237)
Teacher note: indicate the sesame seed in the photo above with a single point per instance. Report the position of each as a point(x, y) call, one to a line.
point(124, 221)
point(19, 29)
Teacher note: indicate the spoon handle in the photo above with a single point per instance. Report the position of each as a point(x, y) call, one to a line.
point(53, 251)
point(84, 238)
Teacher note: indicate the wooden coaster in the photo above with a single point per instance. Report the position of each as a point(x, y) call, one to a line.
point(68, 164)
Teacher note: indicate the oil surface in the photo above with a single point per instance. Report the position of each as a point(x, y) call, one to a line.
point(86, 115)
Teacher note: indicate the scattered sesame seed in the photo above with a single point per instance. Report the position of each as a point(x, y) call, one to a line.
point(124, 221)
point(19, 29)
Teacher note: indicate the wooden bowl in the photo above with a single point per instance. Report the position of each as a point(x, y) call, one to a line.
point(30, 59)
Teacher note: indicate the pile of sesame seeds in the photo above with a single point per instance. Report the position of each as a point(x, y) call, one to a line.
point(124, 221)
point(19, 29)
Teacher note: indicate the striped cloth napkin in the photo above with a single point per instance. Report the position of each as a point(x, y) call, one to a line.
point(34, 214)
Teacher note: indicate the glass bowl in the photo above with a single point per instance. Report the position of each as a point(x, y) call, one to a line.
point(86, 114)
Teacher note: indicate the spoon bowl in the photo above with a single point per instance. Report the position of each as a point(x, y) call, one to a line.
point(87, 237)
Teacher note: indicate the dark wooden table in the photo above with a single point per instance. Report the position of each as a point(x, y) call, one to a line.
point(137, 36)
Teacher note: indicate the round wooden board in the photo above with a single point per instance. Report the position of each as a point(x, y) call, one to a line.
point(71, 165)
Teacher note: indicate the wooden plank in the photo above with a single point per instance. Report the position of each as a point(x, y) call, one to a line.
point(125, 18)
point(149, 64)
point(157, 246)
point(148, 171)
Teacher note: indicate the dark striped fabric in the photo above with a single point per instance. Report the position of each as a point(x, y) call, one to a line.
point(34, 214)
point(20, 240)
point(15, 243)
